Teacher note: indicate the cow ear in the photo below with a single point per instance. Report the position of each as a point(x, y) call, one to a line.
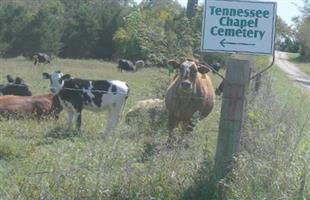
point(174, 64)
point(19, 80)
point(9, 78)
point(46, 75)
point(66, 77)
point(204, 68)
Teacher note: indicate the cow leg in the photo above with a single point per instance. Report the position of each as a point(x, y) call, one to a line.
point(70, 117)
point(78, 119)
point(114, 116)
point(38, 110)
point(111, 123)
point(77, 116)
point(188, 126)
point(172, 122)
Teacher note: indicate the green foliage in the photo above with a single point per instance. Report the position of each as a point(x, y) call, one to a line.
point(13, 18)
point(43, 33)
point(303, 33)
point(153, 30)
point(82, 34)
point(25, 32)
point(158, 31)
point(285, 37)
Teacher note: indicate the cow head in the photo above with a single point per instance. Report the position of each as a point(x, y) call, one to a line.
point(188, 72)
point(57, 80)
point(19, 80)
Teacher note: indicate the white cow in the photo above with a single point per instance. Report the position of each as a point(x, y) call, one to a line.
point(76, 94)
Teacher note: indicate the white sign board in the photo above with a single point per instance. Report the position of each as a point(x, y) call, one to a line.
point(239, 26)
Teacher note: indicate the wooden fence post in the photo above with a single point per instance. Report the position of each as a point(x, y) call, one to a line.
point(233, 104)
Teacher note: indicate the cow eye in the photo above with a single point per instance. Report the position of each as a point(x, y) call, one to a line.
point(193, 70)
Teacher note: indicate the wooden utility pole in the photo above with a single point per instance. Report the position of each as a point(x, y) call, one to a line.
point(233, 105)
point(191, 8)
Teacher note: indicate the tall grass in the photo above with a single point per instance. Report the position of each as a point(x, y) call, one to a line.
point(274, 163)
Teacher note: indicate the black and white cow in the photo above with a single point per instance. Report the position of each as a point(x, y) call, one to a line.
point(76, 94)
point(216, 66)
point(126, 65)
point(42, 58)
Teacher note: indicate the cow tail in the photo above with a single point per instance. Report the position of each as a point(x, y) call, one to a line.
point(127, 91)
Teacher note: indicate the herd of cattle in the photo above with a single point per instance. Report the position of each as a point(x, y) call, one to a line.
point(190, 93)
point(123, 64)
point(128, 65)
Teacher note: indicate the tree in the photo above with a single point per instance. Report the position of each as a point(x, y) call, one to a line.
point(13, 19)
point(303, 31)
point(81, 34)
point(149, 31)
point(285, 37)
point(42, 32)
point(90, 27)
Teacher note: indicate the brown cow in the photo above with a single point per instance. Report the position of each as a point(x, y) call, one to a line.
point(29, 106)
point(190, 92)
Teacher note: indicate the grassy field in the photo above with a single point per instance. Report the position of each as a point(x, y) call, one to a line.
point(41, 160)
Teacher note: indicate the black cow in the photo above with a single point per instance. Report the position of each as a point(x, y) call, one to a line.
point(216, 66)
point(42, 58)
point(126, 65)
point(16, 87)
point(76, 94)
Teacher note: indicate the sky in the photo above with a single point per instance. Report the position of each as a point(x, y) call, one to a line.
point(286, 8)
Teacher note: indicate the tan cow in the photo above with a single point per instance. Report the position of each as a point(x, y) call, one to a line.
point(190, 92)
point(29, 106)
point(151, 110)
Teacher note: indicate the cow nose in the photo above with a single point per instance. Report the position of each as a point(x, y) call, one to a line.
point(186, 85)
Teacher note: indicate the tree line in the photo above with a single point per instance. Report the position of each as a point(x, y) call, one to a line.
point(107, 29)
point(295, 38)
point(153, 30)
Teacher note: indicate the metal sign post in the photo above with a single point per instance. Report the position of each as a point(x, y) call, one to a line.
point(244, 27)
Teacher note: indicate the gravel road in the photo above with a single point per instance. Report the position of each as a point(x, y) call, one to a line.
point(291, 70)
